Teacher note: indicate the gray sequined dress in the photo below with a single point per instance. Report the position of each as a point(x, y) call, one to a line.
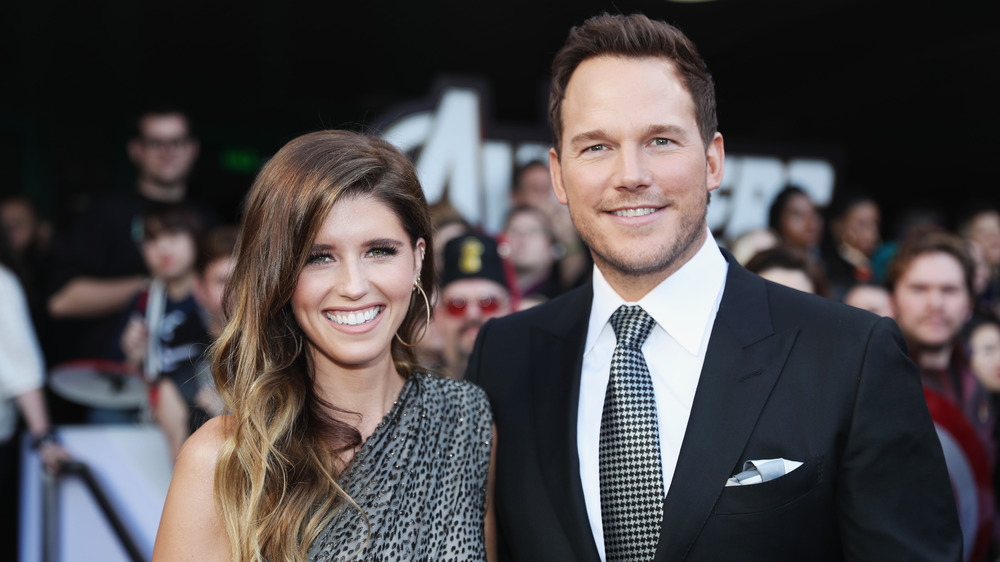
point(420, 479)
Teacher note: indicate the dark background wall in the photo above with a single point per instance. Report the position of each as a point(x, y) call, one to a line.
point(903, 92)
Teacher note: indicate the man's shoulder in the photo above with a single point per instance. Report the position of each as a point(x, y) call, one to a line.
point(794, 302)
point(112, 213)
point(573, 303)
point(822, 317)
point(126, 202)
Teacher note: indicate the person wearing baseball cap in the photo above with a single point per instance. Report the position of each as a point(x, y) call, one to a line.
point(475, 286)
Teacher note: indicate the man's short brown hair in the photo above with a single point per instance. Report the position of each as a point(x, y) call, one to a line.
point(930, 242)
point(633, 36)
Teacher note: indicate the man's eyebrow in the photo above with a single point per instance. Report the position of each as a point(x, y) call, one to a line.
point(668, 130)
point(589, 136)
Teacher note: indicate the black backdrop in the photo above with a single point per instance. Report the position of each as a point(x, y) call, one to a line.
point(903, 91)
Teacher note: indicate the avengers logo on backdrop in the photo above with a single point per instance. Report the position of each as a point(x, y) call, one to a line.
point(461, 156)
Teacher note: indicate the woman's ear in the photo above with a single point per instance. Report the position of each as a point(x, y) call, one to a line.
point(419, 251)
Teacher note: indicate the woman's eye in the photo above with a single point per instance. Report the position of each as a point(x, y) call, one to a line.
point(320, 258)
point(382, 252)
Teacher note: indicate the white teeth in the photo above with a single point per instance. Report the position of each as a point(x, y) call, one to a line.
point(354, 318)
point(634, 212)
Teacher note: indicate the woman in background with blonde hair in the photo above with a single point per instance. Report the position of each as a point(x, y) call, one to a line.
point(338, 445)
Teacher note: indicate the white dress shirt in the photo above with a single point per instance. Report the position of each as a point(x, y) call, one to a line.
point(684, 306)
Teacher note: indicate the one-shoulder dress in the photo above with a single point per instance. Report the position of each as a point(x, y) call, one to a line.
point(420, 479)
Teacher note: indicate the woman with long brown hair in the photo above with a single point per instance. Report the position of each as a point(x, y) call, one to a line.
point(338, 444)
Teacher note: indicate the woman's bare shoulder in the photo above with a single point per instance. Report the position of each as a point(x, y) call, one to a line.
point(210, 436)
point(191, 527)
point(201, 450)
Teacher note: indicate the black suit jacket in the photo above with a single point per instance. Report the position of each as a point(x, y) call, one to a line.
point(786, 375)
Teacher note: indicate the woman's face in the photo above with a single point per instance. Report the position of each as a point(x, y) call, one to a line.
point(530, 246)
point(985, 348)
point(800, 224)
point(354, 291)
point(861, 227)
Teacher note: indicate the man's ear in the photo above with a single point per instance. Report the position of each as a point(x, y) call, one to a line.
point(715, 160)
point(555, 173)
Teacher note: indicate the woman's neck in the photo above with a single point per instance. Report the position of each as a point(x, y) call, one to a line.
point(369, 391)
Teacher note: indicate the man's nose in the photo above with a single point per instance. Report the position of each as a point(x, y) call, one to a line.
point(632, 169)
point(935, 299)
point(472, 309)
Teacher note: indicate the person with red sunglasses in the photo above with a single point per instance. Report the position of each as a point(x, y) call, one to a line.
point(475, 286)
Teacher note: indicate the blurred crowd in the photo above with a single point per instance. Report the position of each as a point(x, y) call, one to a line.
point(137, 280)
point(938, 277)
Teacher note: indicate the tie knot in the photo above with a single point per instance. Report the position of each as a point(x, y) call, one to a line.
point(632, 326)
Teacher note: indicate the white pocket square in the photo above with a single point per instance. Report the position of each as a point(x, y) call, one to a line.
point(755, 472)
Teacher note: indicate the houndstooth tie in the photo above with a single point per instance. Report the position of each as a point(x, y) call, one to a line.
point(631, 477)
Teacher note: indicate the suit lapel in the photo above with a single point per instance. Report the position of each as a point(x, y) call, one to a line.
point(742, 364)
point(557, 356)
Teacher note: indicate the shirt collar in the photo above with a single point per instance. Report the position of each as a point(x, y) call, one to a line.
point(682, 304)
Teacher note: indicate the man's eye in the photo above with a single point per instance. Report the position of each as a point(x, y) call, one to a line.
point(661, 142)
point(595, 148)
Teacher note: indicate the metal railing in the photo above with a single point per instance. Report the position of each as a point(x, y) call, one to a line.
point(50, 532)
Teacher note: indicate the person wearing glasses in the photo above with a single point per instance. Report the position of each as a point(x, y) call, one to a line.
point(98, 267)
point(475, 286)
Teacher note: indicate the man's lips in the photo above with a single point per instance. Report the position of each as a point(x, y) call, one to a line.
point(635, 212)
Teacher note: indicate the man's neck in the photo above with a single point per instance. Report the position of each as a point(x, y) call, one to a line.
point(932, 358)
point(633, 287)
point(163, 193)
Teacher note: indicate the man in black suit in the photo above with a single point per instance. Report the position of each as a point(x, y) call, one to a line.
point(768, 424)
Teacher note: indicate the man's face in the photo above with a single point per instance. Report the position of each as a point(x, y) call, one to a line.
point(466, 304)
point(931, 300)
point(633, 168)
point(165, 152)
point(535, 188)
point(530, 244)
